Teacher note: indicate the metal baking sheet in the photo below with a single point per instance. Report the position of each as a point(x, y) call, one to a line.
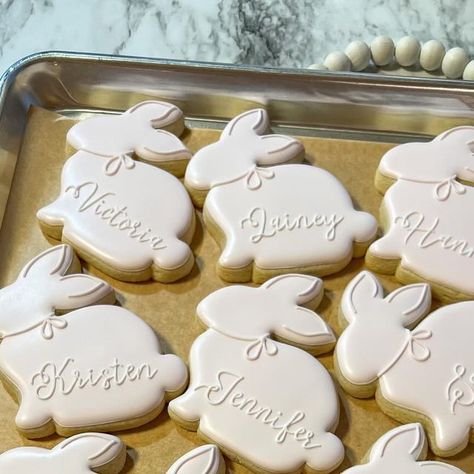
point(313, 105)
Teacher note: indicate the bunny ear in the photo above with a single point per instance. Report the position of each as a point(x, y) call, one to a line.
point(454, 133)
point(414, 302)
point(276, 149)
point(54, 261)
point(359, 295)
point(159, 114)
point(203, 460)
point(305, 327)
point(407, 441)
point(90, 450)
point(435, 467)
point(79, 290)
point(255, 121)
point(298, 288)
point(160, 145)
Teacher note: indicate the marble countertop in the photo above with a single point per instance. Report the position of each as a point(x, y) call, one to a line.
point(288, 33)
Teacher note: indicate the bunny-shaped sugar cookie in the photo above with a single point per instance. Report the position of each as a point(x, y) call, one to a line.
point(98, 366)
point(80, 454)
point(273, 219)
point(206, 459)
point(429, 235)
point(266, 403)
point(402, 451)
point(420, 372)
point(132, 220)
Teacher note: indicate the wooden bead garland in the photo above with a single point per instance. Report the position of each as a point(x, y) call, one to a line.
point(431, 56)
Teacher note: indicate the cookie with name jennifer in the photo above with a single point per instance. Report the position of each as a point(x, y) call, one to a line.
point(425, 214)
point(80, 454)
point(73, 363)
point(131, 220)
point(264, 400)
point(272, 219)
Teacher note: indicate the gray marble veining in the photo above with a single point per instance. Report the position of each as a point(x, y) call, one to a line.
point(289, 33)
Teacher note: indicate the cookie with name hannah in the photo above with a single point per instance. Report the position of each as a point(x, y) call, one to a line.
point(419, 370)
point(74, 364)
point(270, 219)
point(131, 220)
point(428, 234)
point(81, 454)
point(264, 401)
point(402, 450)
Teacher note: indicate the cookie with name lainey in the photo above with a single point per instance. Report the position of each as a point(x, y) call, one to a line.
point(402, 450)
point(425, 214)
point(420, 370)
point(263, 400)
point(269, 219)
point(131, 220)
point(94, 368)
point(80, 454)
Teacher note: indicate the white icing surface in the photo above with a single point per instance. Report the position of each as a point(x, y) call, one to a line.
point(134, 131)
point(91, 366)
point(402, 450)
point(260, 392)
point(124, 219)
point(427, 208)
point(429, 369)
point(203, 460)
point(299, 217)
point(80, 453)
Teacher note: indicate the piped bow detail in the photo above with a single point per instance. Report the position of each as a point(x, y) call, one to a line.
point(262, 345)
point(254, 178)
point(416, 346)
point(50, 324)
point(114, 164)
point(444, 188)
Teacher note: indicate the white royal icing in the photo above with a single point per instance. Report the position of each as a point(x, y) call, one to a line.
point(260, 392)
point(117, 137)
point(427, 208)
point(402, 450)
point(130, 220)
point(203, 460)
point(81, 454)
point(89, 367)
point(428, 370)
point(286, 216)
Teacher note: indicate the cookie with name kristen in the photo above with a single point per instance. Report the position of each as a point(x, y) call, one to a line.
point(206, 459)
point(262, 391)
point(402, 450)
point(418, 371)
point(131, 220)
point(94, 368)
point(147, 131)
point(268, 219)
point(80, 454)
point(428, 196)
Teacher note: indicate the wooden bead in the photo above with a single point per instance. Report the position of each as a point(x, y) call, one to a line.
point(432, 54)
point(407, 51)
point(359, 54)
point(454, 63)
point(338, 61)
point(318, 67)
point(382, 49)
point(468, 73)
